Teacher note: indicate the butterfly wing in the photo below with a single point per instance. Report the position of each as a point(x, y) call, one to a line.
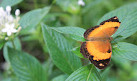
point(98, 52)
point(105, 29)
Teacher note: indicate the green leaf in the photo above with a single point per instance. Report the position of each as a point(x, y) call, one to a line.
point(60, 51)
point(77, 52)
point(9, 44)
point(125, 50)
point(77, 38)
point(113, 78)
point(5, 3)
point(25, 66)
point(89, 5)
point(60, 78)
point(75, 32)
point(69, 5)
point(105, 74)
point(11, 79)
point(1, 44)
point(85, 73)
point(128, 18)
point(122, 63)
point(48, 67)
point(32, 19)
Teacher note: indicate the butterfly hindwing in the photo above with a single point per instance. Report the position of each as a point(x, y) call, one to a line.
point(84, 51)
point(98, 52)
point(101, 64)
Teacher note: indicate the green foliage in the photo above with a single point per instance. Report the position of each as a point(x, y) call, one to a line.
point(32, 19)
point(26, 67)
point(85, 73)
point(4, 3)
point(69, 5)
point(105, 74)
point(122, 63)
point(74, 32)
point(9, 44)
point(60, 78)
point(60, 51)
point(10, 79)
point(1, 44)
point(90, 4)
point(125, 50)
point(77, 52)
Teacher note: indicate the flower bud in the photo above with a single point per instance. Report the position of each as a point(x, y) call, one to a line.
point(17, 12)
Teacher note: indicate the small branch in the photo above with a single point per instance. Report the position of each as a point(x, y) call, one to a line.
point(35, 4)
point(13, 44)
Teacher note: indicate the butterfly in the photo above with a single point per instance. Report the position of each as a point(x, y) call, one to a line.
point(97, 48)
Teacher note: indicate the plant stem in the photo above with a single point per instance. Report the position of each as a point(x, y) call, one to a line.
point(53, 2)
point(35, 4)
point(13, 44)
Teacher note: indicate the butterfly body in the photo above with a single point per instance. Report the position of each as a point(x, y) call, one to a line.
point(97, 48)
point(100, 38)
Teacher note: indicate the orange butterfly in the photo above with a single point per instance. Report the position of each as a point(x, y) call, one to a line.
point(97, 48)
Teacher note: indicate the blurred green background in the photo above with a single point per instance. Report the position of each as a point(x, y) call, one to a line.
point(69, 13)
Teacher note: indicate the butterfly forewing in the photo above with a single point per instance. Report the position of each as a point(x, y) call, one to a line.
point(105, 29)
